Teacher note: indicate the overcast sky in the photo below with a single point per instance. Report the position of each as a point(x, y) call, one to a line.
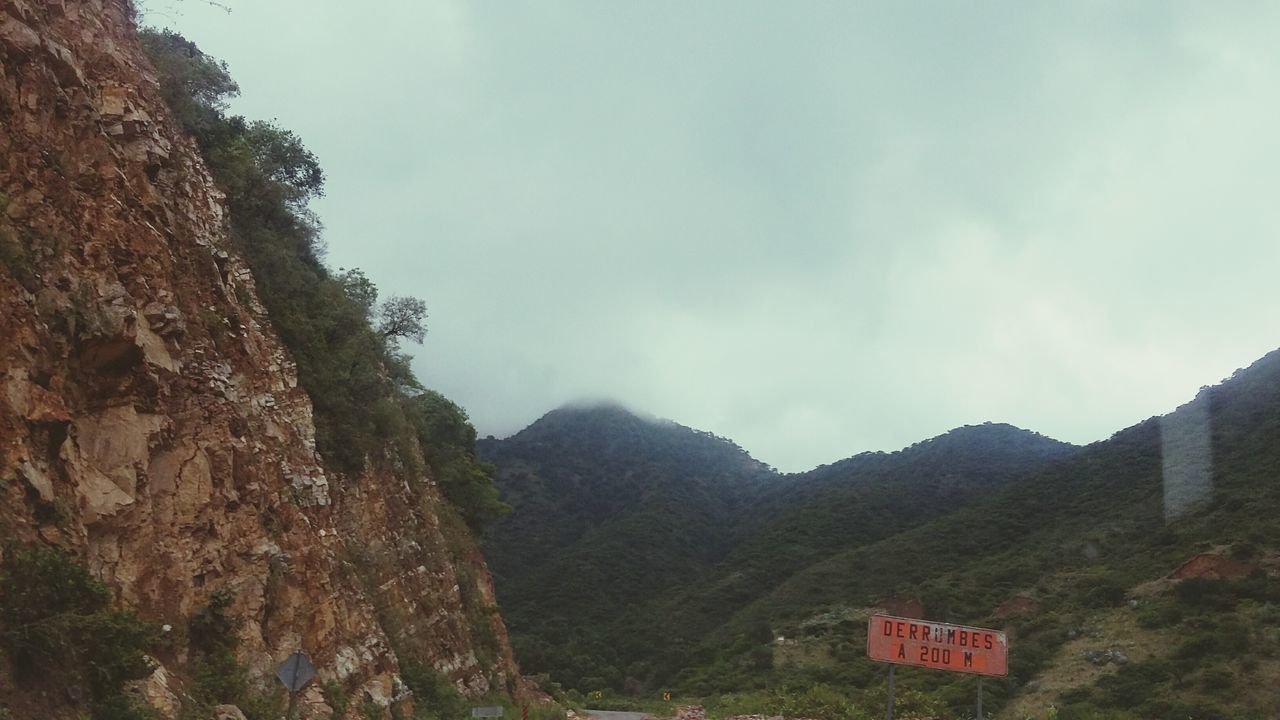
point(817, 228)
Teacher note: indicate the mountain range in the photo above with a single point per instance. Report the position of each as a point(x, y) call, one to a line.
point(642, 554)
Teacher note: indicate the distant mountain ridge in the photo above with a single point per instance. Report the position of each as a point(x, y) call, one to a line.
point(689, 579)
point(624, 522)
point(1086, 541)
point(810, 516)
point(609, 507)
point(609, 429)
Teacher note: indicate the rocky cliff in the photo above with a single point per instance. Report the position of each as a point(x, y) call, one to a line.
point(152, 424)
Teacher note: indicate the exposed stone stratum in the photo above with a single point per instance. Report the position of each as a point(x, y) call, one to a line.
point(150, 421)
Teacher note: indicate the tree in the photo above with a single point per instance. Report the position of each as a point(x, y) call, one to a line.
point(195, 86)
point(448, 440)
point(359, 288)
point(403, 317)
point(57, 620)
point(346, 345)
point(280, 155)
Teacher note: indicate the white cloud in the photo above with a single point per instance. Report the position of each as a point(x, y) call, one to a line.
point(815, 228)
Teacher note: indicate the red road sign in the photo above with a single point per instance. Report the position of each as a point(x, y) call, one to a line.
point(960, 648)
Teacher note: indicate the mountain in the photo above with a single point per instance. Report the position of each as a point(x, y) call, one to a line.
point(1136, 577)
point(624, 525)
point(806, 518)
point(1160, 543)
point(609, 507)
point(579, 471)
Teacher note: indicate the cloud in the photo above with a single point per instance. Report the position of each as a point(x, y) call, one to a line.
point(817, 228)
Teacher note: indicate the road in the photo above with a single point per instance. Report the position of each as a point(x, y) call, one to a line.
point(612, 715)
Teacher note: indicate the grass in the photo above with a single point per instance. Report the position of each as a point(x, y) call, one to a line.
point(1115, 628)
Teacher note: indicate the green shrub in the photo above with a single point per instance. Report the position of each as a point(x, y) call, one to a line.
point(218, 677)
point(335, 695)
point(371, 710)
point(817, 701)
point(56, 619)
point(1134, 685)
point(346, 345)
point(13, 255)
point(1206, 594)
point(1103, 593)
point(433, 695)
point(121, 707)
point(1217, 679)
point(1159, 614)
point(448, 440)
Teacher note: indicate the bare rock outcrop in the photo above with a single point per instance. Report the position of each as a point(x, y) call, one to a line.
point(150, 421)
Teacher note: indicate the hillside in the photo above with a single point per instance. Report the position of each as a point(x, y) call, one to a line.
point(609, 507)
point(1087, 542)
point(806, 518)
point(212, 453)
point(623, 525)
point(1072, 550)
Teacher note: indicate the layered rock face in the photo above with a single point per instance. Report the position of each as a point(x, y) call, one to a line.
point(151, 423)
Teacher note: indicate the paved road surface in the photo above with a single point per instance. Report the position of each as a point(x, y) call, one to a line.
point(611, 715)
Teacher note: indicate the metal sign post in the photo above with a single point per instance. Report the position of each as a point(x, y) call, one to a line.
point(888, 713)
point(942, 646)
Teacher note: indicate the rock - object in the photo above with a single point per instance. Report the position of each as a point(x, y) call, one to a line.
point(1105, 657)
point(691, 712)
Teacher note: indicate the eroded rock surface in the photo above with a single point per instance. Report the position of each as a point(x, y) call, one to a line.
point(151, 423)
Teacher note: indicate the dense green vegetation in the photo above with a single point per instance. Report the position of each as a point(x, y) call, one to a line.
point(810, 517)
point(346, 344)
point(613, 507)
point(1225, 632)
point(1080, 533)
point(57, 625)
point(440, 424)
point(218, 677)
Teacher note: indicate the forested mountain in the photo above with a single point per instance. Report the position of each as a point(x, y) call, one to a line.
point(625, 526)
point(1085, 548)
point(808, 517)
point(732, 581)
point(612, 507)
